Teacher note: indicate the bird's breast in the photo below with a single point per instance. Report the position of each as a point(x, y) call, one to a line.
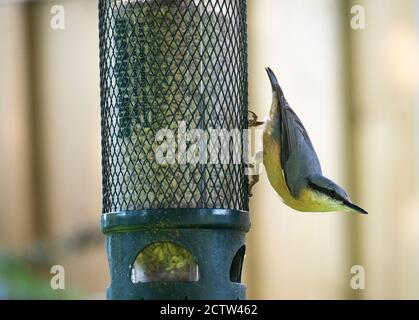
point(272, 163)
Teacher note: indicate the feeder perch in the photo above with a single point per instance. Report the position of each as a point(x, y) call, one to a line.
point(173, 78)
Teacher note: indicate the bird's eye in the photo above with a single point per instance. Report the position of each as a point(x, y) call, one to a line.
point(332, 194)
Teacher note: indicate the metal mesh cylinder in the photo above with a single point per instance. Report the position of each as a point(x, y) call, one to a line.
point(177, 65)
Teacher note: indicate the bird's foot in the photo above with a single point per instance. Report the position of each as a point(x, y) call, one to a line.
point(254, 177)
point(252, 181)
point(253, 120)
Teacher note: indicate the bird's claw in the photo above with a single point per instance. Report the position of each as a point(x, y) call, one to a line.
point(253, 120)
point(252, 181)
point(253, 178)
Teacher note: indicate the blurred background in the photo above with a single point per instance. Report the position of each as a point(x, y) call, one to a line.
point(356, 91)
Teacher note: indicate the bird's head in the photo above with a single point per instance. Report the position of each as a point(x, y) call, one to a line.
point(330, 196)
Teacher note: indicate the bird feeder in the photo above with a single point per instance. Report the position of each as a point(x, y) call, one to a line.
point(173, 78)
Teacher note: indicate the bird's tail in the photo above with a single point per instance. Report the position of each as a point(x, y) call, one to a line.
point(274, 82)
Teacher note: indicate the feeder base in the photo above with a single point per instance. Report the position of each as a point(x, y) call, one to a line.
point(214, 237)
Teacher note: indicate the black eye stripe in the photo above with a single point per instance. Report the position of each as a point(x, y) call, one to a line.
point(318, 188)
point(330, 193)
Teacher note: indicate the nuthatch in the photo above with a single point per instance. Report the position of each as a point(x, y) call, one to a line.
point(291, 162)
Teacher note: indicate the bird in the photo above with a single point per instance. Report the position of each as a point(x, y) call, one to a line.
point(291, 162)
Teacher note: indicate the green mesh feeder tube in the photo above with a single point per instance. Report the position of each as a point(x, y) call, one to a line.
point(173, 78)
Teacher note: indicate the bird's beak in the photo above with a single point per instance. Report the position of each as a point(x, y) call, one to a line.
point(354, 207)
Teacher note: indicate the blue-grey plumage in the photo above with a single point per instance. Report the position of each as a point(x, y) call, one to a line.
point(292, 164)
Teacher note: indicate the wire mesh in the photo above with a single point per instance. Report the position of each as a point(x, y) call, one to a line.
point(177, 65)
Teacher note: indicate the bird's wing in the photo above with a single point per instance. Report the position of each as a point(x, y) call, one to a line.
point(292, 131)
point(298, 157)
